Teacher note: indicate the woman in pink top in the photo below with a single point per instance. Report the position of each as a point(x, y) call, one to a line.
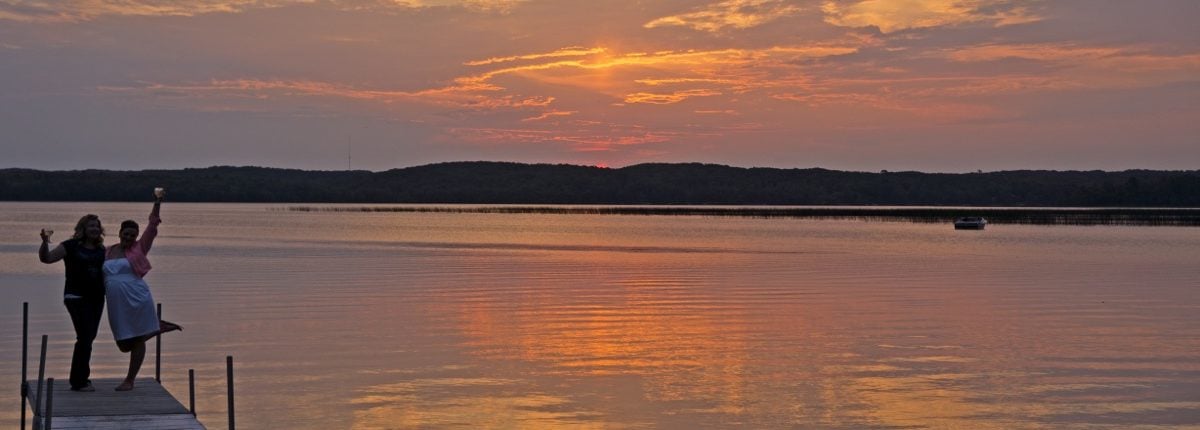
point(131, 310)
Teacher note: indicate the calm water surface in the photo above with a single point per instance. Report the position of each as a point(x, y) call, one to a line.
point(400, 320)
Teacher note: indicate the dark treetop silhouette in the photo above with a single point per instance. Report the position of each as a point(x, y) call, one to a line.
point(494, 182)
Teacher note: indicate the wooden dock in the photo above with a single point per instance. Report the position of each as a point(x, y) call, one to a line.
point(149, 406)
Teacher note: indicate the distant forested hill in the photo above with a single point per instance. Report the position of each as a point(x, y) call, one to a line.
point(493, 182)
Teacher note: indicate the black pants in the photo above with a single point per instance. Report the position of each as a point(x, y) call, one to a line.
point(85, 316)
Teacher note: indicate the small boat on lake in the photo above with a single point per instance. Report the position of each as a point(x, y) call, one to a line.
point(970, 223)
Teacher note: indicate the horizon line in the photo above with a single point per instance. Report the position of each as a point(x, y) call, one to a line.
point(603, 167)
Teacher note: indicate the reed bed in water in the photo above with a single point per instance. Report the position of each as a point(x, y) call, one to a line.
point(1046, 216)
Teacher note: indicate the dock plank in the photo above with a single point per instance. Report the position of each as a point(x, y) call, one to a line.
point(128, 422)
point(147, 406)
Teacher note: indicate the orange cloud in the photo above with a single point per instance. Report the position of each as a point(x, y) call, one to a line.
point(574, 51)
point(481, 5)
point(927, 109)
point(1040, 52)
point(74, 11)
point(895, 15)
point(1091, 66)
point(268, 89)
point(670, 81)
point(737, 14)
point(733, 81)
point(672, 98)
point(550, 114)
point(618, 75)
point(581, 140)
point(681, 66)
point(531, 86)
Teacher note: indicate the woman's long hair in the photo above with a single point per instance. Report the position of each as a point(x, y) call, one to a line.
point(82, 225)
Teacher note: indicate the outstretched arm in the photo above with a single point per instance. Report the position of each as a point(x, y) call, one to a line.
point(147, 239)
point(157, 203)
point(47, 255)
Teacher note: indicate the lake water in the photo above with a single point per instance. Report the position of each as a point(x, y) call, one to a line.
point(433, 320)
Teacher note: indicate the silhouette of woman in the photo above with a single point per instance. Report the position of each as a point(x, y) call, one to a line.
point(83, 257)
point(131, 310)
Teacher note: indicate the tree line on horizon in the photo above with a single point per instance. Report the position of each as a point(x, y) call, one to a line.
point(655, 183)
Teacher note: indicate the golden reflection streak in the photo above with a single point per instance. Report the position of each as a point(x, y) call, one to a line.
point(940, 400)
point(475, 403)
point(646, 327)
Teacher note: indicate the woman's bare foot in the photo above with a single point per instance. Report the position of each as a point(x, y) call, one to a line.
point(125, 386)
point(167, 326)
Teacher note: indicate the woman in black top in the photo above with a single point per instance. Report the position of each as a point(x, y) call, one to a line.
point(83, 256)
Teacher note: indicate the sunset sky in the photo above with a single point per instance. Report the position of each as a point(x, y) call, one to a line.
point(933, 85)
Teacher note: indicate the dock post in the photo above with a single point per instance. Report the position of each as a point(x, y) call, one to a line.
point(49, 404)
point(229, 379)
point(158, 349)
point(24, 358)
point(192, 391)
point(37, 401)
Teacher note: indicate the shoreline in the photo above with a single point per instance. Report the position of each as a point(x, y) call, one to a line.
point(1175, 217)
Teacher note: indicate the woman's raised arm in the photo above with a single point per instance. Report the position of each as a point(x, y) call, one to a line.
point(147, 239)
point(47, 255)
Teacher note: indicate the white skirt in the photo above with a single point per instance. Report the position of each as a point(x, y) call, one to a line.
point(131, 310)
